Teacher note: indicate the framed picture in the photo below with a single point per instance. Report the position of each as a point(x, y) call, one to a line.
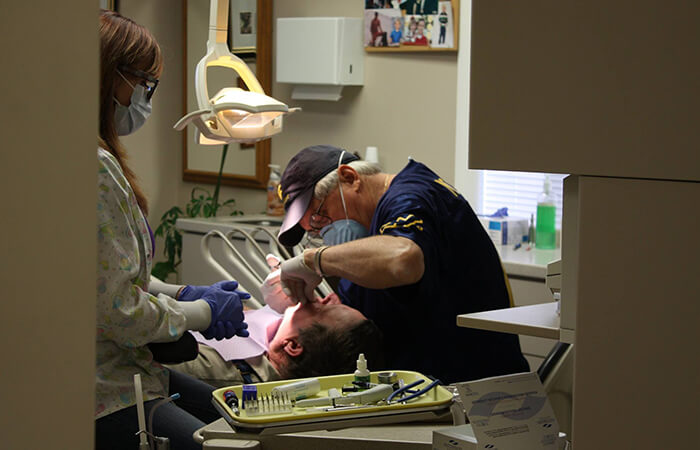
point(411, 25)
point(242, 26)
point(108, 4)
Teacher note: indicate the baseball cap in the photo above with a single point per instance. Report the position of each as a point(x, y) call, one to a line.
point(296, 188)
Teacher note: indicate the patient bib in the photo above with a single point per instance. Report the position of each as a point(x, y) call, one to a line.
point(254, 345)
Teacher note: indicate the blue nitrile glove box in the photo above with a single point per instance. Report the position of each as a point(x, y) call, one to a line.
point(505, 230)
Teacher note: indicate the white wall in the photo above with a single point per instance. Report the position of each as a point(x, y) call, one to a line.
point(155, 151)
point(406, 107)
point(467, 181)
point(48, 124)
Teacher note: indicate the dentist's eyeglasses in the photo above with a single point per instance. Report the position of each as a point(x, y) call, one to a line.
point(317, 220)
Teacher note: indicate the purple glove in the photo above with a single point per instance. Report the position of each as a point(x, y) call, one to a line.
point(224, 300)
point(191, 293)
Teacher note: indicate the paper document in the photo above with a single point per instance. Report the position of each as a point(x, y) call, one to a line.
point(511, 412)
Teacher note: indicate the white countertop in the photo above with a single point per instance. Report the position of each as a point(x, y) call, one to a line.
point(539, 320)
point(527, 263)
point(224, 224)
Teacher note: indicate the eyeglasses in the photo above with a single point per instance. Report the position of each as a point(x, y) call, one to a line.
point(318, 220)
point(149, 81)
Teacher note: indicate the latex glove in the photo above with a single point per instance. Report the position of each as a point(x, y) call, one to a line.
point(191, 293)
point(227, 317)
point(298, 280)
point(271, 289)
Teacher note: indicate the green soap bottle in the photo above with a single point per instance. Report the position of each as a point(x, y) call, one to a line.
point(545, 232)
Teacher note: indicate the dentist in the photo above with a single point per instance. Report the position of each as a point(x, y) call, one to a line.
point(411, 255)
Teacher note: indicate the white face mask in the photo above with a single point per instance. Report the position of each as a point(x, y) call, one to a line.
point(343, 230)
point(130, 118)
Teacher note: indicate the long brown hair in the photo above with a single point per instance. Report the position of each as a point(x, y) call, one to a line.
point(123, 43)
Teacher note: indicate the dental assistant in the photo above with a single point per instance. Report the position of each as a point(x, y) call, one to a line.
point(132, 313)
point(411, 255)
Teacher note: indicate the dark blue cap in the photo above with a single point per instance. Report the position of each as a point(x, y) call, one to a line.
point(296, 188)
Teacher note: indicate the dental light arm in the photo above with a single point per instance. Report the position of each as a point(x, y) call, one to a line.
point(233, 114)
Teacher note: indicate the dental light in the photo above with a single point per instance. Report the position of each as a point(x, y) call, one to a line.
point(233, 114)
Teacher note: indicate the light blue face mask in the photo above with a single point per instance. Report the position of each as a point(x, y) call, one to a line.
point(130, 118)
point(344, 230)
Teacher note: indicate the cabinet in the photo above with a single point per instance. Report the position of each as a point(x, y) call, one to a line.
point(605, 91)
point(319, 55)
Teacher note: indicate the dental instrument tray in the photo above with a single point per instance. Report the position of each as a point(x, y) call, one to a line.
point(413, 397)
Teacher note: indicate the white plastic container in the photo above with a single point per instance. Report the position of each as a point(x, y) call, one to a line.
point(299, 389)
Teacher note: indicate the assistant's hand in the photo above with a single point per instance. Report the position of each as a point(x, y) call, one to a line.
point(271, 289)
point(226, 306)
point(298, 280)
point(191, 293)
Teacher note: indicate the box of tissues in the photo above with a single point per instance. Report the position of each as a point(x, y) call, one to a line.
point(504, 229)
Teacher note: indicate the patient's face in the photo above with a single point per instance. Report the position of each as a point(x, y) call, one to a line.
point(328, 311)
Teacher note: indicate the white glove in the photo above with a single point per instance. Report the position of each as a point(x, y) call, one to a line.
point(298, 280)
point(272, 293)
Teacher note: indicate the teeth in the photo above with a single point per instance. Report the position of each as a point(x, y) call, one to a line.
point(266, 404)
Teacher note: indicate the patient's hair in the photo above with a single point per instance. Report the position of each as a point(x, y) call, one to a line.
point(330, 351)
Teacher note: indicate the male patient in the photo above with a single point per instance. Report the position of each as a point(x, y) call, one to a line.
point(307, 340)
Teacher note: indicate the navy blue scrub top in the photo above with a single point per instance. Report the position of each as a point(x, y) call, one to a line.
point(463, 274)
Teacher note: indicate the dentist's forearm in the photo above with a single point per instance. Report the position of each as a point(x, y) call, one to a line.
point(376, 262)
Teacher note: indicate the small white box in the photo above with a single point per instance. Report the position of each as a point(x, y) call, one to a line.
point(460, 437)
point(320, 51)
point(505, 230)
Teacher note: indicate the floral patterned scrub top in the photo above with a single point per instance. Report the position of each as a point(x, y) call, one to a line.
point(128, 317)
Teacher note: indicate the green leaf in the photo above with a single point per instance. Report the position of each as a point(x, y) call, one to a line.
point(162, 270)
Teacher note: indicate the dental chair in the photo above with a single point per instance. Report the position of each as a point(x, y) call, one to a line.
point(250, 261)
point(248, 279)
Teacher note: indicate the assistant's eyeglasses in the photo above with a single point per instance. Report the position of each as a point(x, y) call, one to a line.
point(149, 81)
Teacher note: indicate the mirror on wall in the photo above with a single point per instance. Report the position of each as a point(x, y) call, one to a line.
point(250, 38)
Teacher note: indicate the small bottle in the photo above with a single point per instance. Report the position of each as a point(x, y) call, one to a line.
point(531, 231)
point(362, 374)
point(274, 204)
point(545, 232)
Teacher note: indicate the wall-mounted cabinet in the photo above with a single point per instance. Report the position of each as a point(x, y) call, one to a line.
point(593, 88)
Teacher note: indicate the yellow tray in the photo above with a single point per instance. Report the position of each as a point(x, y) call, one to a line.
point(437, 398)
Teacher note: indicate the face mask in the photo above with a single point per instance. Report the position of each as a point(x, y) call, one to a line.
point(130, 118)
point(344, 230)
point(341, 231)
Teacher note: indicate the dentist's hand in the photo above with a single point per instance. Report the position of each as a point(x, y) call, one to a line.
point(271, 289)
point(298, 280)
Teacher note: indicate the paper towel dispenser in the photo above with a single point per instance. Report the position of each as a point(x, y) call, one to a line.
point(319, 55)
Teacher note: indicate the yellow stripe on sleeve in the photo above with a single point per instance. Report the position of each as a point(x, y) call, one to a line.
point(403, 222)
point(444, 184)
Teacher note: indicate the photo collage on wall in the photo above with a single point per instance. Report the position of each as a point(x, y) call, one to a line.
point(409, 24)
